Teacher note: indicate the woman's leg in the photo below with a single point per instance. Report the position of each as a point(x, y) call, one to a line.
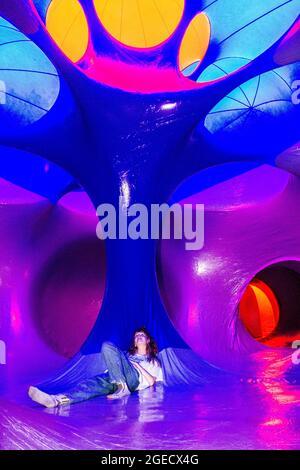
point(90, 388)
point(119, 367)
point(120, 371)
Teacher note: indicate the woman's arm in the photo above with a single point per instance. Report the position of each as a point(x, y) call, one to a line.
point(150, 378)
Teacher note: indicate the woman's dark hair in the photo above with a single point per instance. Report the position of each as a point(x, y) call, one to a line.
point(152, 348)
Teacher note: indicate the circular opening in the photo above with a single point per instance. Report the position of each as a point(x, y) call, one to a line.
point(29, 82)
point(68, 295)
point(67, 24)
point(140, 23)
point(194, 44)
point(270, 306)
point(259, 310)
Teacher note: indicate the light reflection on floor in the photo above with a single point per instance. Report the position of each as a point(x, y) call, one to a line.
point(242, 416)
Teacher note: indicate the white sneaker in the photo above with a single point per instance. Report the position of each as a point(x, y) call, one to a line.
point(49, 401)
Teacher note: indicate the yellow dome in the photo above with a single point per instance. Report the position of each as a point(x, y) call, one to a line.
point(140, 23)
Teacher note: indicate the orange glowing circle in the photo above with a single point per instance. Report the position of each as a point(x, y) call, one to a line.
point(259, 309)
point(67, 24)
point(195, 41)
point(140, 23)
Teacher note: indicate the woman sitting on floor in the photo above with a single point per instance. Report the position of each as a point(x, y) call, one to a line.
point(137, 369)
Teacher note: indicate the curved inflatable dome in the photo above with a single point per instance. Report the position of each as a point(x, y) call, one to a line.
point(30, 82)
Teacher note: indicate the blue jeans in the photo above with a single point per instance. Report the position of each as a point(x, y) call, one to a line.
point(119, 370)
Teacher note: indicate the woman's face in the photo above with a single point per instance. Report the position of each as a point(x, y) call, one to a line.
point(140, 338)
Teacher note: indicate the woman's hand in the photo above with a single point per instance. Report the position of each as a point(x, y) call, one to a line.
point(150, 379)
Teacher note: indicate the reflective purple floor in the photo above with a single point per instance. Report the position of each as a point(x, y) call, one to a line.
point(244, 416)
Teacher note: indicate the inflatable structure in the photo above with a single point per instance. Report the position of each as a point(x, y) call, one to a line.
point(169, 101)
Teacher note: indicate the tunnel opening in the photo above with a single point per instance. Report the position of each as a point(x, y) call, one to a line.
point(68, 295)
point(270, 306)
